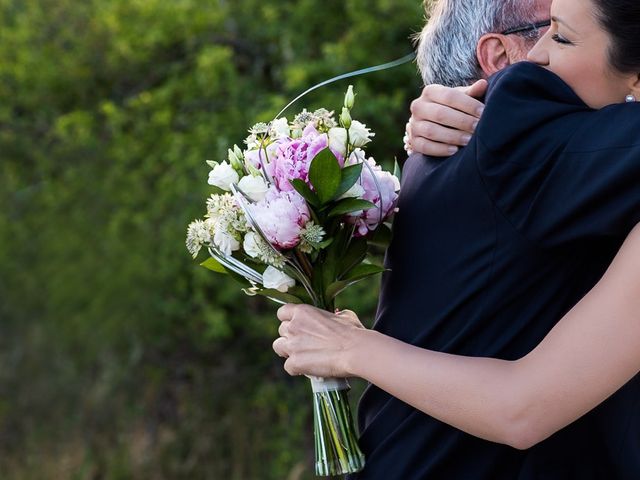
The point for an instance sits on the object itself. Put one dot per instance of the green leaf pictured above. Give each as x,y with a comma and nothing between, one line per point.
277,296
213,265
325,175
304,190
358,274
356,253
381,237
349,205
364,270
324,244
397,171
350,176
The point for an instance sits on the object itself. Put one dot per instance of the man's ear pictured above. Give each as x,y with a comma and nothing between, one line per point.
492,53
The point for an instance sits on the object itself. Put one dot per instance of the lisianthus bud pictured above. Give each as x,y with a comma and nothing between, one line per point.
273,278
253,187
345,118
349,98
238,152
222,176
235,162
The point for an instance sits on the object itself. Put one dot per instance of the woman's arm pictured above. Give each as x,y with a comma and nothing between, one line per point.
591,352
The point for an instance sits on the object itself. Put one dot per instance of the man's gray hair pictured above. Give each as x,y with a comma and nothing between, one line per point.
447,44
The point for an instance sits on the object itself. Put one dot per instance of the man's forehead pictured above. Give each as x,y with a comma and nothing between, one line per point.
543,8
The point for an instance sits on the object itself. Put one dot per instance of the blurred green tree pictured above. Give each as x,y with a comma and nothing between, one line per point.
119,357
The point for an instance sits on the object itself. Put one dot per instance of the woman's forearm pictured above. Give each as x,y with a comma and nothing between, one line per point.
477,395
588,355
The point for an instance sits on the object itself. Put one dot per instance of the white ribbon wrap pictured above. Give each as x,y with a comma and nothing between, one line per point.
321,384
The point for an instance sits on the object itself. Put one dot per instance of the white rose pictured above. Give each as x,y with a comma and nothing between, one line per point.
272,278
356,191
254,187
222,176
225,242
359,134
251,245
280,128
338,140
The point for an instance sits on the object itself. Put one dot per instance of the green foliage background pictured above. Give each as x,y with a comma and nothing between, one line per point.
119,357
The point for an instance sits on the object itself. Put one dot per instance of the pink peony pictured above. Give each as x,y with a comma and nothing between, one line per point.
290,162
261,156
382,192
293,158
281,216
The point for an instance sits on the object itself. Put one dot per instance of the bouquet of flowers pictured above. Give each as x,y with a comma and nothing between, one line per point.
291,217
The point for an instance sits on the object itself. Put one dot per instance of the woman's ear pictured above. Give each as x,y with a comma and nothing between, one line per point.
634,85
492,53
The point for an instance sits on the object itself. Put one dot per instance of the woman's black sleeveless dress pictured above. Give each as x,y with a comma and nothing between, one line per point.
491,248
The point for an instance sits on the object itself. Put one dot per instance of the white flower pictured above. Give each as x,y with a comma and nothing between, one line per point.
226,242
338,140
198,234
222,176
273,278
359,134
356,191
254,187
279,128
251,245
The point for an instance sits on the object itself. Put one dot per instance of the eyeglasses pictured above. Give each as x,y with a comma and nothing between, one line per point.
527,28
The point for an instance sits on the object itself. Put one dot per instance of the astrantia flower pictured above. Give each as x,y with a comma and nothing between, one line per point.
228,221
324,119
311,235
260,128
220,205
198,234
304,119
281,216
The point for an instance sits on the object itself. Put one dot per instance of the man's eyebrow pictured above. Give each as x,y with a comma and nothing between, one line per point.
559,20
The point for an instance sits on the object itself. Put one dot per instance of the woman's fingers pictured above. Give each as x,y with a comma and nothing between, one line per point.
286,312
443,114
443,119
438,134
283,329
280,347
477,90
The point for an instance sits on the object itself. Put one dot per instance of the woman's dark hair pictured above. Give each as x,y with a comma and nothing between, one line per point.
621,20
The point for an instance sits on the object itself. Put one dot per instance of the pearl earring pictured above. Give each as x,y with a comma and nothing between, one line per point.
630,98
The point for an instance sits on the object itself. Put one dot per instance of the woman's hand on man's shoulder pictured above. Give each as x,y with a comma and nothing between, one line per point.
443,119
